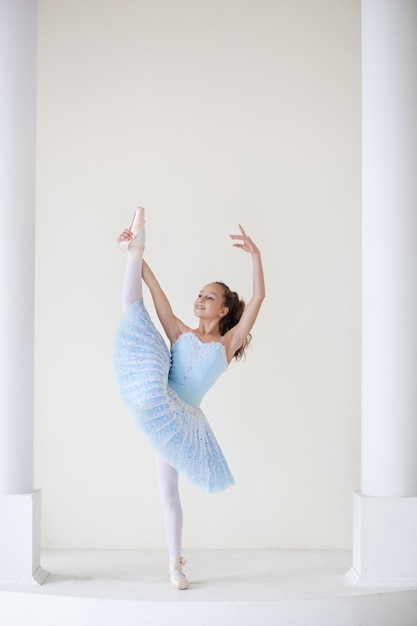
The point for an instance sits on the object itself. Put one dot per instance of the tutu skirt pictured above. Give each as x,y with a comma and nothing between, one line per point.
177,430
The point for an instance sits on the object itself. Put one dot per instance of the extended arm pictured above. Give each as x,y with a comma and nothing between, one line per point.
235,337
172,326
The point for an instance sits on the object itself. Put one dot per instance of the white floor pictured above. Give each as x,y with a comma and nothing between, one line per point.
269,587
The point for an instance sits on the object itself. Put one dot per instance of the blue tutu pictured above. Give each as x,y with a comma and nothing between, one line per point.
164,390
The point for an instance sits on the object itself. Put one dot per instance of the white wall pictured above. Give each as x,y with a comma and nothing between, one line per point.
209,114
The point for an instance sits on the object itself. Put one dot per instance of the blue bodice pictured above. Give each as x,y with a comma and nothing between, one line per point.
195,367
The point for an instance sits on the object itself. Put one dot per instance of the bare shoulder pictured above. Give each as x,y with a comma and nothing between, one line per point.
178,328
232,342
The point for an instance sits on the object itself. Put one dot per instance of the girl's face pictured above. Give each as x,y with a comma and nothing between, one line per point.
209,304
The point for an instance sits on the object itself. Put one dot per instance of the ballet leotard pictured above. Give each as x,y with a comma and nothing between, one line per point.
164,390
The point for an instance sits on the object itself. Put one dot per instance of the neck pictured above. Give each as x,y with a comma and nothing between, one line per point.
208,329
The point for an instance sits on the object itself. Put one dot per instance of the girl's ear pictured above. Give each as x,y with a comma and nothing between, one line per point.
224,311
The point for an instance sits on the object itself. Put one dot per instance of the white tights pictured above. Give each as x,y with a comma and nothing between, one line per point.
171,505
167,475
132,282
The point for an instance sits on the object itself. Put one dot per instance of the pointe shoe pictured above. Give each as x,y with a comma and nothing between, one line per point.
177,576
136,228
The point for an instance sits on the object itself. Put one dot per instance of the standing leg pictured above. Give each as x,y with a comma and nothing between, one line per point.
171,505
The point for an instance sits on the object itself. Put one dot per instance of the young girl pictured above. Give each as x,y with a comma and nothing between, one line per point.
165,388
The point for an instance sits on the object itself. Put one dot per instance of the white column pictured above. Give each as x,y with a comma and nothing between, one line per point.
19,504
385,511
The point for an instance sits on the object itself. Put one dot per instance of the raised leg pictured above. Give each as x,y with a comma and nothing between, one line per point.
132,281
133,242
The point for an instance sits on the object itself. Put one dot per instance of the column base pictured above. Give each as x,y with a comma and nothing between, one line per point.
384,542
20,516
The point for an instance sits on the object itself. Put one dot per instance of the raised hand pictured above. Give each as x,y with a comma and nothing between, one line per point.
247,244
126,235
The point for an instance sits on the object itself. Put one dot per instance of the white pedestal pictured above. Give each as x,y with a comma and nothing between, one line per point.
20,516
384,542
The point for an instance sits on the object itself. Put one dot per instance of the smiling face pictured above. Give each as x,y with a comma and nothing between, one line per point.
209,304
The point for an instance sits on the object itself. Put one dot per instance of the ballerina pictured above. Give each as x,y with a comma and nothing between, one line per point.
164,388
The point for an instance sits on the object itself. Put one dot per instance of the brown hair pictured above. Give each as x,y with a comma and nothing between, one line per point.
236,307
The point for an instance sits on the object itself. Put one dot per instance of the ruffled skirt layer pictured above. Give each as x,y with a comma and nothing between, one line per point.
177,430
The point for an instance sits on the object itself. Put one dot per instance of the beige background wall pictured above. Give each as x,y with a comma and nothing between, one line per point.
209,114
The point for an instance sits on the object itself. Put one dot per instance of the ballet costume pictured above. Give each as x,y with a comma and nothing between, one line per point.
164,389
